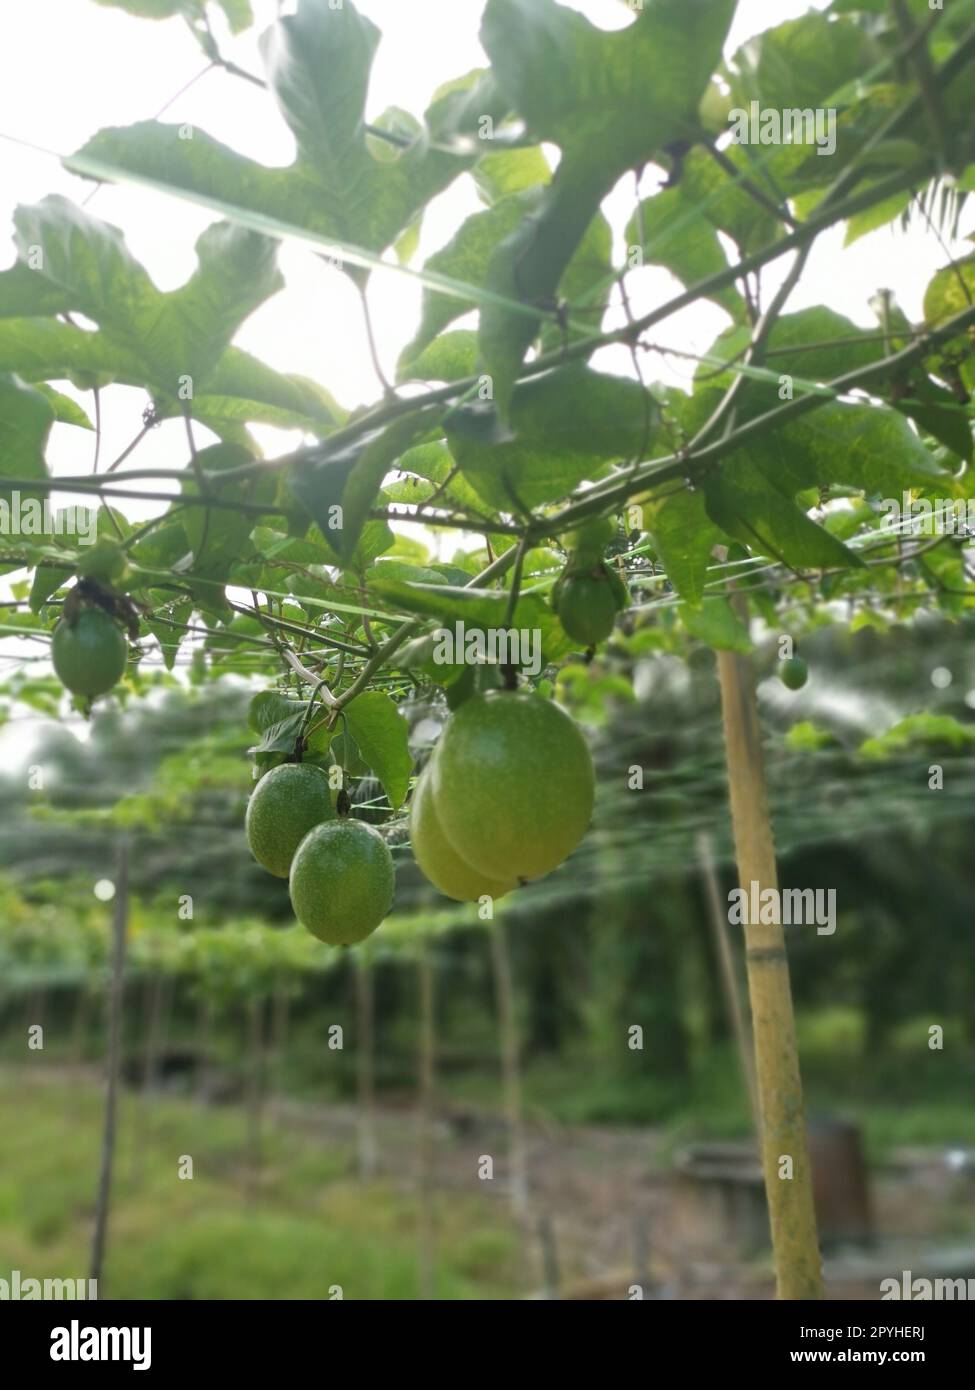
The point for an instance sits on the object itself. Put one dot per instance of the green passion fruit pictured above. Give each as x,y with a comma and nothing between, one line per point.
441,864
287,802
513,785
794,673
587,607
342,881
89,652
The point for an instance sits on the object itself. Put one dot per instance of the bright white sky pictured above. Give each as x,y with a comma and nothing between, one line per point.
70,67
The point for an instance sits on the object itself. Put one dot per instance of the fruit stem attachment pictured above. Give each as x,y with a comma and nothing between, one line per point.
783,1135
510,672
509,616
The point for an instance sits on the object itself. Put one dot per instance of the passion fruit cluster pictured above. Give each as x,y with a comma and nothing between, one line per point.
340,872
506,797
589,594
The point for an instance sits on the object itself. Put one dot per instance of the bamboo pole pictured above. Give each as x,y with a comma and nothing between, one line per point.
115,996
729,979
790,1201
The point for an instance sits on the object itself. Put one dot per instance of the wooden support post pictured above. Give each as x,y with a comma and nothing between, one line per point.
790,1200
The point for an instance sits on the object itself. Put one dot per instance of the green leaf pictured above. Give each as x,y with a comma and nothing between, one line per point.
342,185
24,293
47,580
169,638
219,537
764,517
66,411
567,424
270,707
751,496
950,291
162,547
25,423
716,623
575,83
239,14
39,349
339,489
672,231
867,447
468,255
927,730
800,63
87,262
812,346
237,272
940,415
887,210
585,288
241,389
280,737
683,537
173,344
725,203
382,736
587,91
391,569
511,171
465,257
451,357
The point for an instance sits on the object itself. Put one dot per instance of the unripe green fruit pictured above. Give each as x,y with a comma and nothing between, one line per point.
287,802
794,673
587,608
441,864
513,785
342,881
90,653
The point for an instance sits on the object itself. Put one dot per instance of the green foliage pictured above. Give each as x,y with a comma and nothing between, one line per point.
586,91
273,577
318,63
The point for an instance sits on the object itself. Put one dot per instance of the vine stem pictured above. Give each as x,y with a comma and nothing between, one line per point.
520,549
406,630
603,496
310,678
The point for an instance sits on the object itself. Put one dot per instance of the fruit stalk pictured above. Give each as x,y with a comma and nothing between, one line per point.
790,1201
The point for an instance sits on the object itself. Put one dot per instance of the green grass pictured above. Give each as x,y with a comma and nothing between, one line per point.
311,1228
